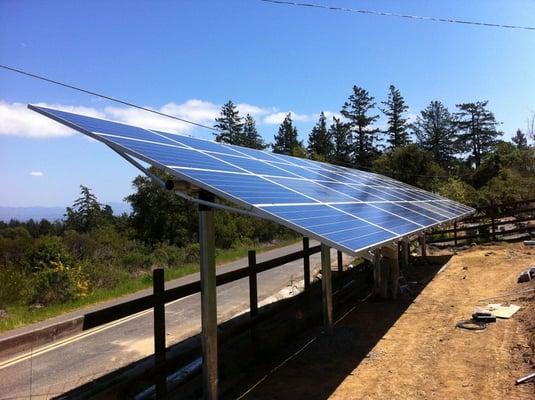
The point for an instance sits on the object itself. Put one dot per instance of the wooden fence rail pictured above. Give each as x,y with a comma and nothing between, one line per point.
127,308
495,214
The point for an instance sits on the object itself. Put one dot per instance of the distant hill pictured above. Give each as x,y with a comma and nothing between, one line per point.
49,213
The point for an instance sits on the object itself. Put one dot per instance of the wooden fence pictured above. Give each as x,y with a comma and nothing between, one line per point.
489,223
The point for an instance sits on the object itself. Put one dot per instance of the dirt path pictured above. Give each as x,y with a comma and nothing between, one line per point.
412,350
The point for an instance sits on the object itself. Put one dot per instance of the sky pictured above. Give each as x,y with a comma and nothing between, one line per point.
189,57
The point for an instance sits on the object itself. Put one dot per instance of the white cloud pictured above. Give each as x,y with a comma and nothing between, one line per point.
330,114
277,117
255,111
17,120
36,173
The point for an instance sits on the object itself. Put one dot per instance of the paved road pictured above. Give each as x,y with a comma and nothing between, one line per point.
67,363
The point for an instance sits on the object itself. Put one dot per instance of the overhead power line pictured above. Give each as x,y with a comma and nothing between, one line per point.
126,103
389,14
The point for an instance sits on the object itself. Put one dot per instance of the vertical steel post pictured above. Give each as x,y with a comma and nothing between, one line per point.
253,292
327,290
208,298
340,268
306,263
423,245
158,285
455,233
404,253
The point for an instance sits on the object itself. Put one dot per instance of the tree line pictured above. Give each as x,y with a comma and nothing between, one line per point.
438,149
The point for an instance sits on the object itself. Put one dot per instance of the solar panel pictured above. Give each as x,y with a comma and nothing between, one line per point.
348,209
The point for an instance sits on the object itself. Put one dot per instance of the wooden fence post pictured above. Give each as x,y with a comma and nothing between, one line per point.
306,263
158,285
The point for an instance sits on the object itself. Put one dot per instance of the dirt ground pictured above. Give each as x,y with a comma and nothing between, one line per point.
410,348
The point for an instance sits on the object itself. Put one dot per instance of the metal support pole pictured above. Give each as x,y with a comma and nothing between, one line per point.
253,295
158,285
404,253
340,268
326,284
306,263
208,298
423,245
455,233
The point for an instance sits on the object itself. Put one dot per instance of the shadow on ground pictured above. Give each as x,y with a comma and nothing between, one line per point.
319,369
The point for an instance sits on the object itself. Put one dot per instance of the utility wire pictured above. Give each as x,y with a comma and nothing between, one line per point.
19,71
389,14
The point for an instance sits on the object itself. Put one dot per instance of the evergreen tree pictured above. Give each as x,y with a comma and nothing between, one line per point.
159,215
320,145
229,125
435,130
341,142
520,140
86,212
251,138
477,132
286,140
356,110
395,107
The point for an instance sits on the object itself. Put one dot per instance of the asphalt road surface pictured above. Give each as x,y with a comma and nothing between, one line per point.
62,365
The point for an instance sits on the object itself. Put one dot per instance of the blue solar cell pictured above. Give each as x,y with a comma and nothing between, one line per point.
358,243
349,209
417,207
303,172
248,188
96,125
258,154
314,190
357,193
174,157
199,144
255,166
385,220
398,209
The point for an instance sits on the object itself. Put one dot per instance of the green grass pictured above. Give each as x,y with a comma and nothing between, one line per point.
20,315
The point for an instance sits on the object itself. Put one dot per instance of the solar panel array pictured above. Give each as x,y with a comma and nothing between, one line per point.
348,209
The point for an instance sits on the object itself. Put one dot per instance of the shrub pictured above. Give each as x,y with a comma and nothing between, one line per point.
135,260
166,255
192,253
48,252
103,276
13,286
54,284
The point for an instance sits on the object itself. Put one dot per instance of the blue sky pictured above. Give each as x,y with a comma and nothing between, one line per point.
189,57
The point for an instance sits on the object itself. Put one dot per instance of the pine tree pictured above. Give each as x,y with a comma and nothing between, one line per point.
229,125
251,137
395,107
87,213
477,132
341,142
520,140
435,130
356,110
286,140
320,145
